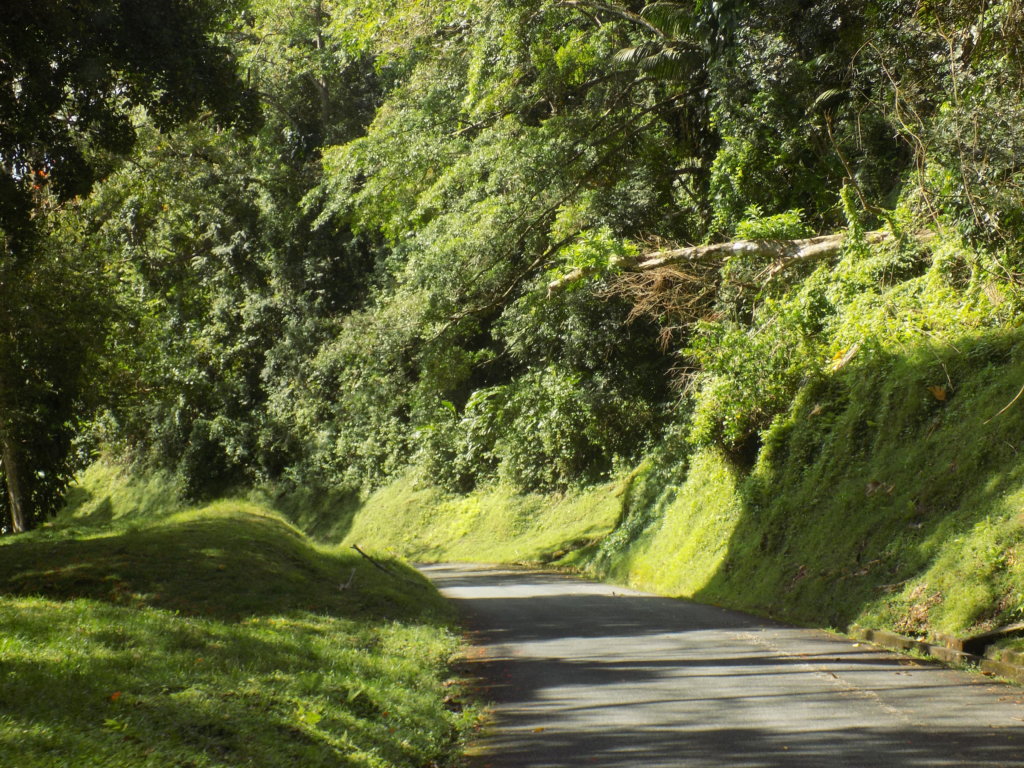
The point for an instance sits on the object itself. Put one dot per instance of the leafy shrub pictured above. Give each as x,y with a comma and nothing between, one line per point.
788,225
747,376
547,429
594,253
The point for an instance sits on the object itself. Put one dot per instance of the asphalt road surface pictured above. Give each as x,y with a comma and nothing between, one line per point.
585,674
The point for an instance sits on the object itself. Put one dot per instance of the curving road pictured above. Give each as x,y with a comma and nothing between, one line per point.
583,674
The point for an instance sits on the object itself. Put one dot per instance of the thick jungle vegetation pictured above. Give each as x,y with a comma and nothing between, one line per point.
321,243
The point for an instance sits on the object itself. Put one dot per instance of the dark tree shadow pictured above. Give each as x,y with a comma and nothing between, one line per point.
580,676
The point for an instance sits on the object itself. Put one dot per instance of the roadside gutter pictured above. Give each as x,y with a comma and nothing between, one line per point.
976,651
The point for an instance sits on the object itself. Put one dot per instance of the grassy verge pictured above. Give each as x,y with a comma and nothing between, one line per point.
496,524
136,632
875,501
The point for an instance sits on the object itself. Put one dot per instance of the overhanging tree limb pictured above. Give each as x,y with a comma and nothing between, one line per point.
783,252
780,250
622,13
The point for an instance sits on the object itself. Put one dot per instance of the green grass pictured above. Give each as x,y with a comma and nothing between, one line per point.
675,538
496,524
136,632
875,502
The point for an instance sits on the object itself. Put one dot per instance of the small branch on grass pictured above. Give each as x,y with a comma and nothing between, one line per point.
1006,407
380,566
376,563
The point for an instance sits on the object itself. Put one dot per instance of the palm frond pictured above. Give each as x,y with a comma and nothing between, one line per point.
673,19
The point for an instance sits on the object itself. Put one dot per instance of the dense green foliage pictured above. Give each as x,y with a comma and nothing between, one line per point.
73,71
137,631
72,77
354,287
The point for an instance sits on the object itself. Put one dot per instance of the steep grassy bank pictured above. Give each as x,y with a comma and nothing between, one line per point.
889,494
424,523
134,631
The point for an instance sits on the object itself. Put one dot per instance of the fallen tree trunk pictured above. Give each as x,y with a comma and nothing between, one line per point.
784,252
780,250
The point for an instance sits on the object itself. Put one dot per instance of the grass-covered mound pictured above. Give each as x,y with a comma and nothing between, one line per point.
216,636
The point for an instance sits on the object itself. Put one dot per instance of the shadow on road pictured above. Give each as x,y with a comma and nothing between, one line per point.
750,747
587,674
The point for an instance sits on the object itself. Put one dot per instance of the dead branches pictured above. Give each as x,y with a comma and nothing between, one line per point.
673,297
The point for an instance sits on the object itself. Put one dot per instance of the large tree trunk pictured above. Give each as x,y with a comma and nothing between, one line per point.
10,463
12,470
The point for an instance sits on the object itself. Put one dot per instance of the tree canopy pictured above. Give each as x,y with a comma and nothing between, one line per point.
357,281
71,74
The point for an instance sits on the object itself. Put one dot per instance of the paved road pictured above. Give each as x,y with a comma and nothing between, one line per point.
589,674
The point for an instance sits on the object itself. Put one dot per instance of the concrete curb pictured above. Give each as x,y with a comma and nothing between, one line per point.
1006,664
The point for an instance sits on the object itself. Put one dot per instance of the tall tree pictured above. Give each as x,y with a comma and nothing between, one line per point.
236,287
71,74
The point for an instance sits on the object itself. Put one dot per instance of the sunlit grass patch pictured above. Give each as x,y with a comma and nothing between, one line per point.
218,636
492,524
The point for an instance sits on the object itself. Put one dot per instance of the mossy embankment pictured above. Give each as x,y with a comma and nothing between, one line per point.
890,493
135,630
